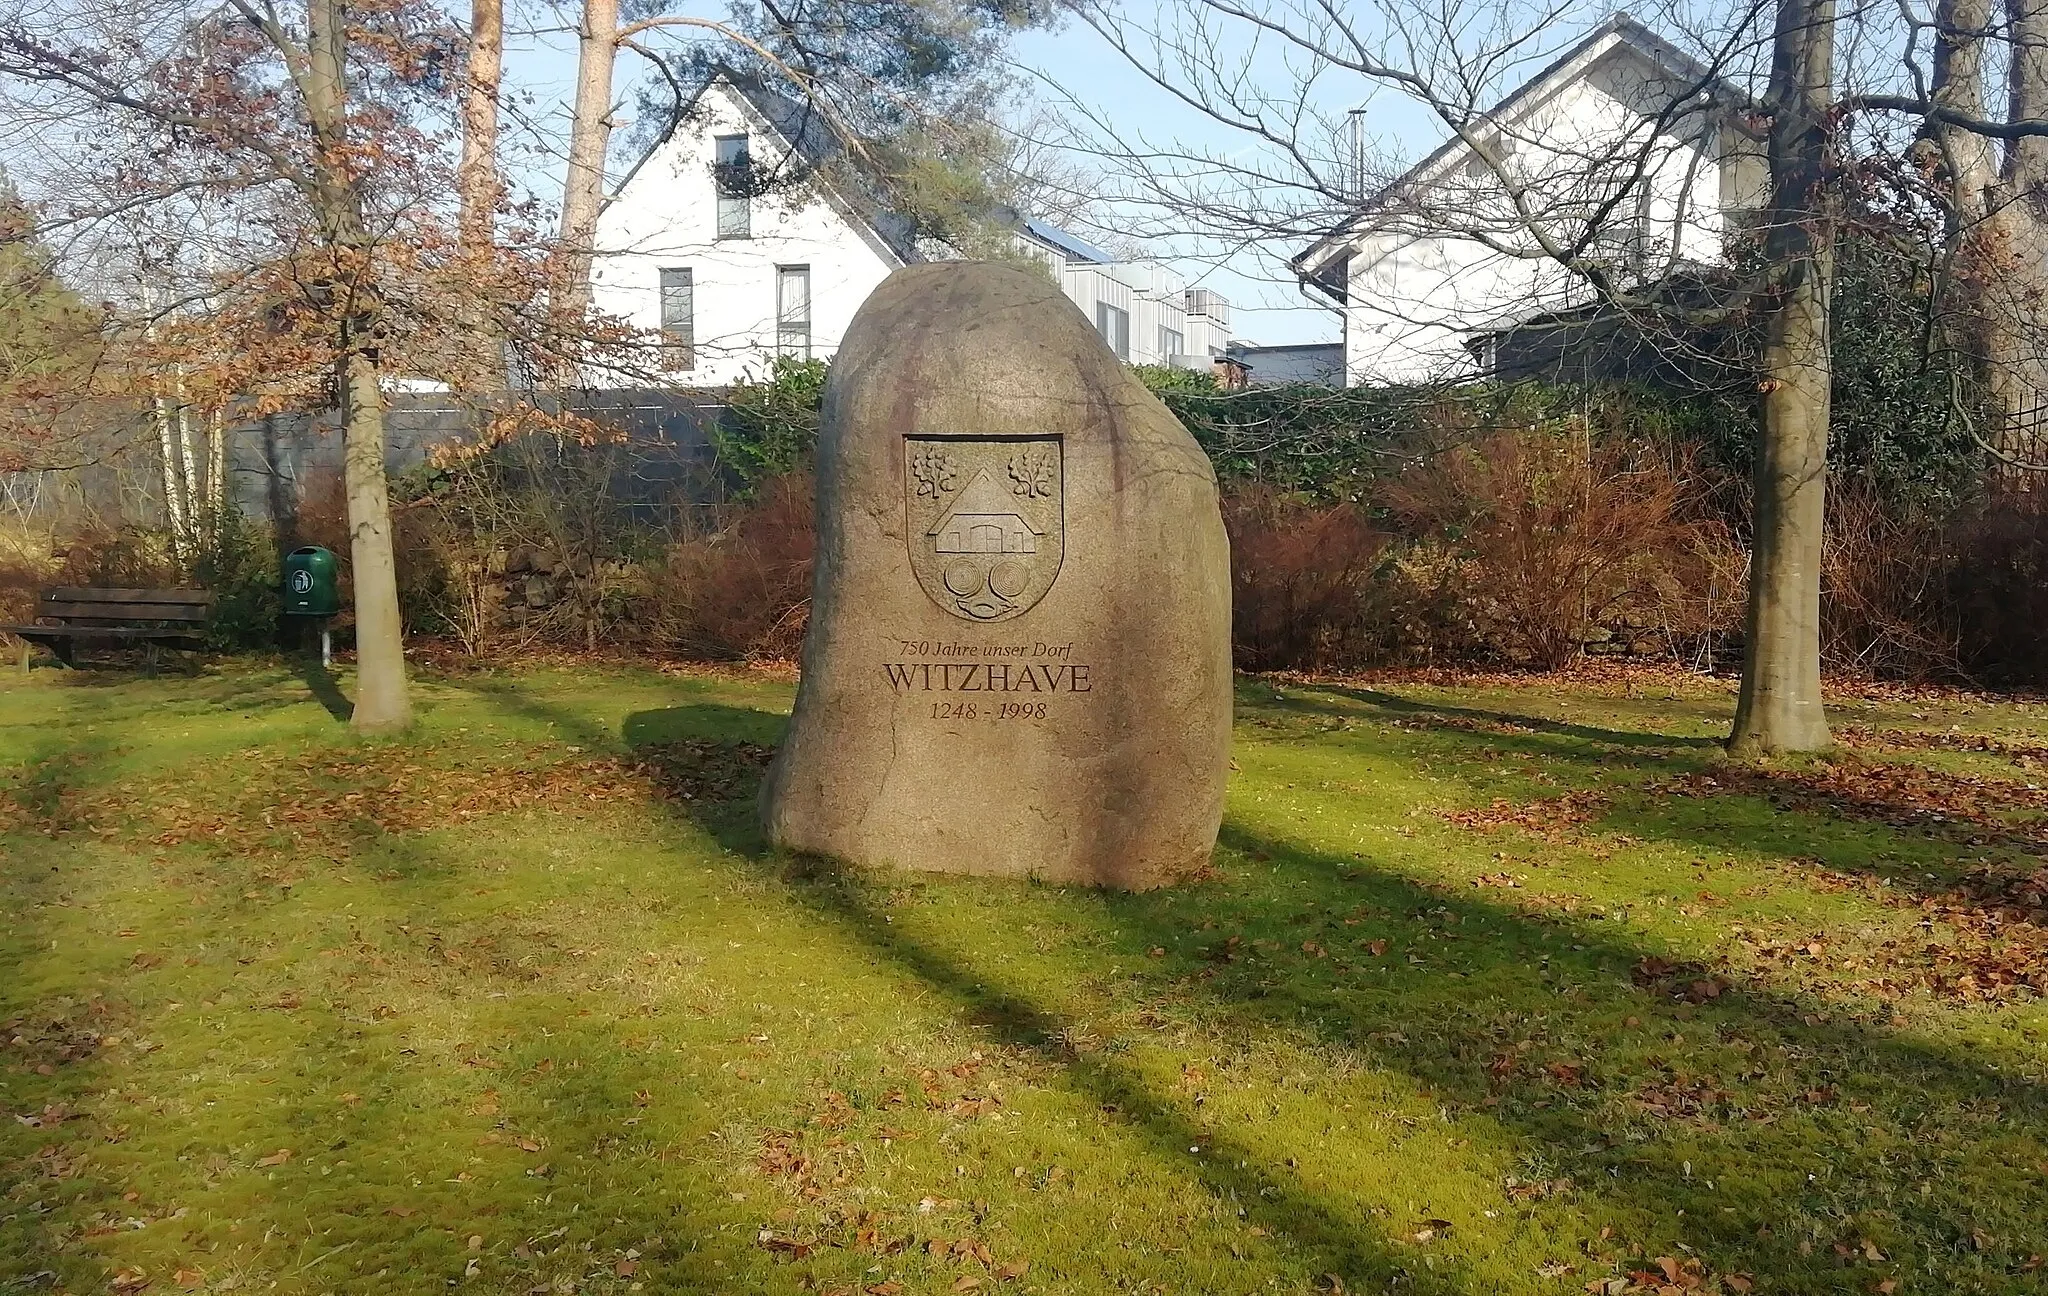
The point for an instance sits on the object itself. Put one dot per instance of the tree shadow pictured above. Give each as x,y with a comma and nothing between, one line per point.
70,1080
1750,1127
1480,720
1675,789
326,690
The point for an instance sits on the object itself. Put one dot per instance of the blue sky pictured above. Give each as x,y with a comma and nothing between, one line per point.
1267,308
1072,64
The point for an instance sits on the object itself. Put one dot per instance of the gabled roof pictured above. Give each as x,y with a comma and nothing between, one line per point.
1618,31
1075,249
982,498
800,130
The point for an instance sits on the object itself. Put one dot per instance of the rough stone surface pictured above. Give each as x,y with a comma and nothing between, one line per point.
1018,656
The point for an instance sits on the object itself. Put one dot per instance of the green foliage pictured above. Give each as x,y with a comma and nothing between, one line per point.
47,332
1330,443
1890,424
770,427
240,563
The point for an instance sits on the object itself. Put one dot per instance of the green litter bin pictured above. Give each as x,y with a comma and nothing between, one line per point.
310,587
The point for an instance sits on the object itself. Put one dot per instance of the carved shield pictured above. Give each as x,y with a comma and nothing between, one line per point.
987,526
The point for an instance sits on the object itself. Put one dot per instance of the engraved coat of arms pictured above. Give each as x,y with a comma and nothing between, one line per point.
987,521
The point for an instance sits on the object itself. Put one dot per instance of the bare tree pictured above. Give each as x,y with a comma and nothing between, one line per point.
303,154
1604,214
894,84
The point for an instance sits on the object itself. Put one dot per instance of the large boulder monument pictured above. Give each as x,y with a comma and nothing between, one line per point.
1018,655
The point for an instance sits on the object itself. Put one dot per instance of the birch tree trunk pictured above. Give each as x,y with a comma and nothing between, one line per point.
1779,708
196,520
174,482
216,471
589,137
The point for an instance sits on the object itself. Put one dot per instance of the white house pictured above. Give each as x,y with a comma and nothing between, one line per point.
731,276
1623,135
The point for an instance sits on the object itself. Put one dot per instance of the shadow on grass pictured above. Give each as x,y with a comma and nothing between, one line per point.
1752,1129
1794,810
1482,721
326,690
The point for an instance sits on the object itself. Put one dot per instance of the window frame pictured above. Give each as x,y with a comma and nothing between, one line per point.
785,323
735,211
1119,340
678,344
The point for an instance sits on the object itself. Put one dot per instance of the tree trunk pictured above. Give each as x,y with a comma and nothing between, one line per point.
589,136
382,702
217,463
2016,240
476,175
1779,708
476,181
196,520
174,493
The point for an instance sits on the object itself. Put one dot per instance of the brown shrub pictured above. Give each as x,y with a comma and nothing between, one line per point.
26,569
743,592
1300,574
1555,534
1886,570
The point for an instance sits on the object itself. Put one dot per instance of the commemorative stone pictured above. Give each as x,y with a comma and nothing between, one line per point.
1018,655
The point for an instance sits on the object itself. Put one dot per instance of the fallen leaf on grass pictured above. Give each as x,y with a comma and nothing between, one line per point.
1430,1230
189,1278
276,1158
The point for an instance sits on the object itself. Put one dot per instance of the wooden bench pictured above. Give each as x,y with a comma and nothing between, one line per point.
69,614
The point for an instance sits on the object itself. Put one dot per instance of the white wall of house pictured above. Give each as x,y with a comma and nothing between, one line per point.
1161,318
665,216
1419,285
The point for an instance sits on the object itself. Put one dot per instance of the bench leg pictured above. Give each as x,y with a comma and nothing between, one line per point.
26,649
62,648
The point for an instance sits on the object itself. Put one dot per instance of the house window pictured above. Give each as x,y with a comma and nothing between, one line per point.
678,318
1171,343
733,177
793,311
1114,323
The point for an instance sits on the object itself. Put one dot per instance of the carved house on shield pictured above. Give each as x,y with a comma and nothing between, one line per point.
983,521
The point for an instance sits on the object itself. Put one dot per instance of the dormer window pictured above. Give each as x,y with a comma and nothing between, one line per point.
732,175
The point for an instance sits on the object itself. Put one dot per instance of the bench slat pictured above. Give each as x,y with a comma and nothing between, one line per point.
90,594
135,611
40,634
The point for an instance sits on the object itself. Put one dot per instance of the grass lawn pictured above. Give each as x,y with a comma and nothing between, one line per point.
1497,987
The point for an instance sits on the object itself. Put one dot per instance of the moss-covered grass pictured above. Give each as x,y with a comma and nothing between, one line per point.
1495,989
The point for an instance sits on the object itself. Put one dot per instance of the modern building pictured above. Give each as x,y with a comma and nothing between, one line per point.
1624,141
727,241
